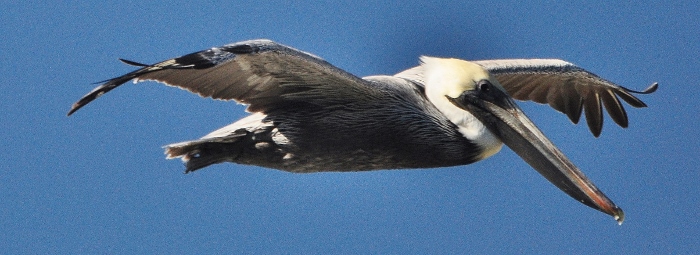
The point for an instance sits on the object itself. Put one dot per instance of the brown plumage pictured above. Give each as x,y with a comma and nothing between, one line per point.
310,116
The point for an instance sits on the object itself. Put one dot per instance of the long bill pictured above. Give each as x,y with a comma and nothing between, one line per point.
506,120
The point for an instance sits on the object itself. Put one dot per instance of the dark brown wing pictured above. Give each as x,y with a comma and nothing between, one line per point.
260,73
566,87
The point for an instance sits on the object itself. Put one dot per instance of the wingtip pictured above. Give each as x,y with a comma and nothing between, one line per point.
596,128
99,91
73,108
133,63
651,89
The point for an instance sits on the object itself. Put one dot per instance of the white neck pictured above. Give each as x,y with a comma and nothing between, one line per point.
469,126
440,81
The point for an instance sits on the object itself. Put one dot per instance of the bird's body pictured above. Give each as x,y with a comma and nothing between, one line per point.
310,116
405,131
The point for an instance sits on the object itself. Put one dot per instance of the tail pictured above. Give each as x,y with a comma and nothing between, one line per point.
201,153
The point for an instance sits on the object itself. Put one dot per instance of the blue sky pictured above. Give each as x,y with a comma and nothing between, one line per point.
98,182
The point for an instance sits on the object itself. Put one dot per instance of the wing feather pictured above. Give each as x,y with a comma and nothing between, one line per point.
566,87
594,113
260,73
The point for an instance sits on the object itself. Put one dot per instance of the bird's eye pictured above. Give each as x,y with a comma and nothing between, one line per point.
484,86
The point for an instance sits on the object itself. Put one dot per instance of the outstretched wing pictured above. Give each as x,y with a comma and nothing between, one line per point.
564,86
260,73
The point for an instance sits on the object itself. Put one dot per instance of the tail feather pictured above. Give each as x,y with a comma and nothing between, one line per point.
198,154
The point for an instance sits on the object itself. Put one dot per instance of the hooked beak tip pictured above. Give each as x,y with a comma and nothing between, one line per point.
619,215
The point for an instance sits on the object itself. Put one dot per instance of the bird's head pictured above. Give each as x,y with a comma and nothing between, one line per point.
480,107
447,79
451,77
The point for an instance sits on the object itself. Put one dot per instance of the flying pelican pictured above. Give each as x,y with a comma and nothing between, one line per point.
310,116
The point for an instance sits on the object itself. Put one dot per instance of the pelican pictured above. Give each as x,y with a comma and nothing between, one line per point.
310,116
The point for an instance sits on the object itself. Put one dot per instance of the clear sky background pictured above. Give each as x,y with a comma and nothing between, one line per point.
98,182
